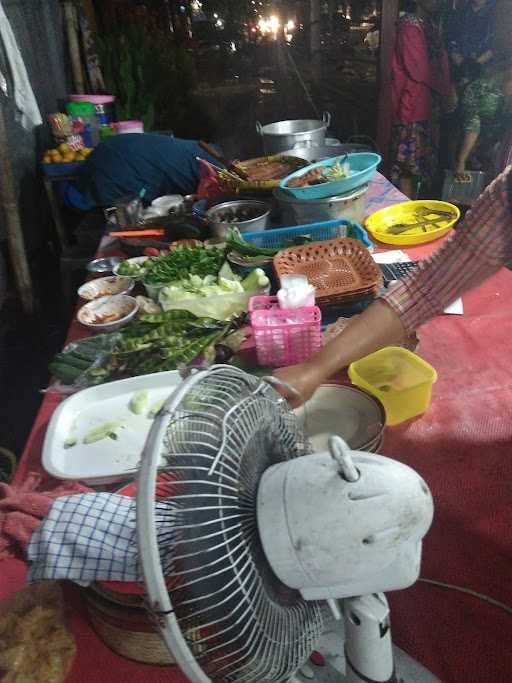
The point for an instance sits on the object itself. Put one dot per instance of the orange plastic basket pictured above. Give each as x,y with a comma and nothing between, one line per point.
341,269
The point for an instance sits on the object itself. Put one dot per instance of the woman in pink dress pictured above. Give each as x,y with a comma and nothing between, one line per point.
420,75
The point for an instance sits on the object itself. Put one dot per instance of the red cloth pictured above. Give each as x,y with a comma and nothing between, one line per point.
415,76
462,449
22,507
209,185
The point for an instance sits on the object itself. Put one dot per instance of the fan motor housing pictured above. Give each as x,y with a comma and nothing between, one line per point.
331,538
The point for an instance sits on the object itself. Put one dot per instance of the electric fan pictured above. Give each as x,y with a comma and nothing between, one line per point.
245,561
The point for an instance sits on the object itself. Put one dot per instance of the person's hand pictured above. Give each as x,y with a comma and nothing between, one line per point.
303,379
457,58
461,175
452,101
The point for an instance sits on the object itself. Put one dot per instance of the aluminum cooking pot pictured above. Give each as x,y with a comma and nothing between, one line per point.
219,225
321,152
286,135
350,206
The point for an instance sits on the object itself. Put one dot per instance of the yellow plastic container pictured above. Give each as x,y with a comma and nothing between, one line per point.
409,213
400,379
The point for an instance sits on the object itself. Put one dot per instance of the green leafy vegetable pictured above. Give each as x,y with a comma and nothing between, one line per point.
131,269
338,170
236,242
183,262
155,342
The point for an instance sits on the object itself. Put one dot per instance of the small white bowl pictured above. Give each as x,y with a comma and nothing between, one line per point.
153,291
91,314
105,286
137,260
167,202
150,213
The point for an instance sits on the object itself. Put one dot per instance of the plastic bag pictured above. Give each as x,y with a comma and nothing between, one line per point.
35,644
82,364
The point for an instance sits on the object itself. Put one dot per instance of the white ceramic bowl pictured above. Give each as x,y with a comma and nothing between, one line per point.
167,202
94,314
344,410
139,260
150,213
105,286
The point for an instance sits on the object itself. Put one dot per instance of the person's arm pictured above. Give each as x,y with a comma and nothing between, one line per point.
485,57
411,49
481,245
452,37
440,80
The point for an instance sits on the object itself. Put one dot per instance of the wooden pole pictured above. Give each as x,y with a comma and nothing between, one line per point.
15,238
389,17
90,13
314,28
74,46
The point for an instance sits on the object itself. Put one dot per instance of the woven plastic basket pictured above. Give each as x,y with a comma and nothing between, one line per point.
282,238
340,269
283,337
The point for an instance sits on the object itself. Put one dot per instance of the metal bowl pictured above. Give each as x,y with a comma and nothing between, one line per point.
220,227
103,265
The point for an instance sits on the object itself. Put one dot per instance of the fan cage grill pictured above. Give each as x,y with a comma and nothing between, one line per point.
239,621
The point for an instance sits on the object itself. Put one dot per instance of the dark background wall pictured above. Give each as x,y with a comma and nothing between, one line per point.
39,30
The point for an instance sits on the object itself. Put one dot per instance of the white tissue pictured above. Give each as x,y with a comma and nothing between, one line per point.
295,292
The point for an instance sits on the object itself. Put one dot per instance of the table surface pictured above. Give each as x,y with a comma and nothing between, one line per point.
462,449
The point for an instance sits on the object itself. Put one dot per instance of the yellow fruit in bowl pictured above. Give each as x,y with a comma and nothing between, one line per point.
68,158
63,148
47,159
86,151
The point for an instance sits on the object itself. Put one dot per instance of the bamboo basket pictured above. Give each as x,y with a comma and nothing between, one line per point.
128,631
231,184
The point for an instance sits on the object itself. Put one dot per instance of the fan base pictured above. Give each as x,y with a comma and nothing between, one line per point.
408,669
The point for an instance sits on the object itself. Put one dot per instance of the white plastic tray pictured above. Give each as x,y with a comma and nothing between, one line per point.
106,461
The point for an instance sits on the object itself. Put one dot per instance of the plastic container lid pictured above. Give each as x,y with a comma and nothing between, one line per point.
94,99
80,109
125,125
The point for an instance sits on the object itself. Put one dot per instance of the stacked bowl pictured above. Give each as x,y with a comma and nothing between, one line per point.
331,188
